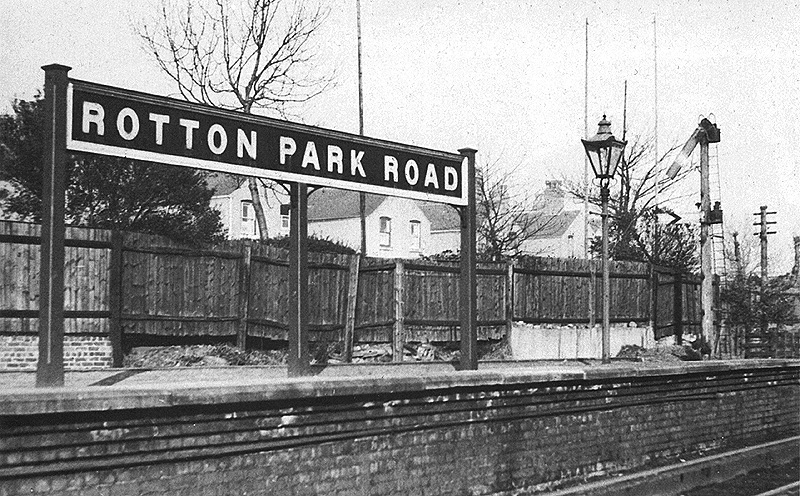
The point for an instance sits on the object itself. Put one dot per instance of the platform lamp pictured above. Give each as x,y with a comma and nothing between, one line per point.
604,152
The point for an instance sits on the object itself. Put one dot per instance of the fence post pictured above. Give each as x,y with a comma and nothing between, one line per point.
654,301
352,301
115,298
677,308
399,311
244,295
509,298
592,292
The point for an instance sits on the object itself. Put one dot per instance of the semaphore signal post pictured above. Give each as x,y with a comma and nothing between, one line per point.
92,118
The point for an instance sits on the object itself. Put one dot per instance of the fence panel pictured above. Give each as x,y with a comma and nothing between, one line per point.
550,290
630,292
328,275
86,264
375,301
171,290
268,293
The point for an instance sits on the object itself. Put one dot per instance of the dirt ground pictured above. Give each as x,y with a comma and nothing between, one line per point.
220,355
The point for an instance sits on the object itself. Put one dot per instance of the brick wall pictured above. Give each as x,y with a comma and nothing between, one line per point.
20,352
468,433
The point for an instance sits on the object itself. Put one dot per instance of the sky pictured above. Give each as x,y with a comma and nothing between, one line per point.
507,78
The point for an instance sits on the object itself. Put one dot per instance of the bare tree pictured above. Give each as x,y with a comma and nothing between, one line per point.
634,233
249,56
506,218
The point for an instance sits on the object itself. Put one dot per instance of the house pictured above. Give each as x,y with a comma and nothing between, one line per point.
558,227
395,227
445,233
555,225
232,199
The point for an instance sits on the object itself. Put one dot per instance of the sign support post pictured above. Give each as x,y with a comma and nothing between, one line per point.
468,308
50,367
298,361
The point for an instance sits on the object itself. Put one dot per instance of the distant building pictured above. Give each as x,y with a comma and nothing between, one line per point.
232,199
558,228
398,227
395,227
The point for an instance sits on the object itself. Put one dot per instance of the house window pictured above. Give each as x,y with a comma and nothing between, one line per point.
416,239
285,218
248,219
385,235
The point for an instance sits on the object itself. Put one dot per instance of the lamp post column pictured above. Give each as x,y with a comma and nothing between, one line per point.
606,337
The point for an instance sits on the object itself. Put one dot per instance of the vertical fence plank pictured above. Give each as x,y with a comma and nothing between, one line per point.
399,313
508,297
350,319
678,308
115,298
244,295
653,281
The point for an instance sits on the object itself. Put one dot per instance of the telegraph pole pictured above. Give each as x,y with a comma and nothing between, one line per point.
762,234
362,197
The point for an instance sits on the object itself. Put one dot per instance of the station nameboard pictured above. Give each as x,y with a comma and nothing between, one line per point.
124,123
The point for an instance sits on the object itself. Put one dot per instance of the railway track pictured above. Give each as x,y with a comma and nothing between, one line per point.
743,472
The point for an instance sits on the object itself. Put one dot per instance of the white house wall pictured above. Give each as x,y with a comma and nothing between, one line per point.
444,240
401,212
229,207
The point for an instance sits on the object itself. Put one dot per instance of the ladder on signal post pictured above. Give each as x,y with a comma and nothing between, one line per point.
724,347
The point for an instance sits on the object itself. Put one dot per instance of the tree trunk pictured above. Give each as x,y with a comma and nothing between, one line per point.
257,208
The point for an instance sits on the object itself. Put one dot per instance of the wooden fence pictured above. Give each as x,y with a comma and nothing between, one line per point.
127,284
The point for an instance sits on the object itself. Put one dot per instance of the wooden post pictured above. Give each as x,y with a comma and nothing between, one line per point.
592,293
115,298
468,307
677,307
398,338
244,295
50,367
654,300
298,360
352,301
509,298
706,262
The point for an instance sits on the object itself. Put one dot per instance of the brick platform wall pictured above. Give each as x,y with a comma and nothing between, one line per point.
21,352
467,433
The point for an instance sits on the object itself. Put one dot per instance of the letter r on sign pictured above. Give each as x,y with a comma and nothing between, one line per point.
93,113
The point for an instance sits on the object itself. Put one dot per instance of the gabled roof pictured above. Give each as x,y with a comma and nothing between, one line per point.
547,226
333,204
223,184
441,216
